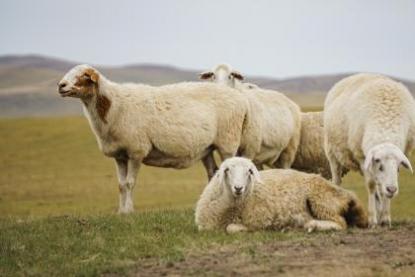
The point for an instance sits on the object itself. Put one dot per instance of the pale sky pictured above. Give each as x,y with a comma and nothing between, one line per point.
268,38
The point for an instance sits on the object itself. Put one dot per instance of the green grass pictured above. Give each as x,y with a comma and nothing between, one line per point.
92,245
59,194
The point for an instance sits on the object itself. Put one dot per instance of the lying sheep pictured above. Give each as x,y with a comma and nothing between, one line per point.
281,122
239,198
310,155
167,126
369,126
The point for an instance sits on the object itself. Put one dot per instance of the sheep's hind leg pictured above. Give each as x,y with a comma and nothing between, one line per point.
287,156
322,225
210,165
336,170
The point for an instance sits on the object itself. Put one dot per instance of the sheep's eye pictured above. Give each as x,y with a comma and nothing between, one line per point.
226,170
381,168
377,160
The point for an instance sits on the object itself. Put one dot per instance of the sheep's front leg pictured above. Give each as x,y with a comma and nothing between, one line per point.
384,211
210,165
372,210
122,169
127,186
323,225
236,228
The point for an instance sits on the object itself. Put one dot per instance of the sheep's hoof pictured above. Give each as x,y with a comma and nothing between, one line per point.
125,211
373,225
386,223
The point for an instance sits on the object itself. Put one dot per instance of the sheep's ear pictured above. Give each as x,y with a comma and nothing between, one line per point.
92,75
237,75
207,75
406,163
255,176
220,175
368,160
402,159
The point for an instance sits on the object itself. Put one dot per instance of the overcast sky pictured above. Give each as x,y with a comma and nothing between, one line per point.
270,38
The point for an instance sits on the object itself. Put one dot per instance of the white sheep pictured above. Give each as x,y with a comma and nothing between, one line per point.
224,74
369,126
167,126
239,198
281,121
310,155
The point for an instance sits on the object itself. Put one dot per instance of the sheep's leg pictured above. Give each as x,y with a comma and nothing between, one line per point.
372,210
236,228
335,169
210,165
287,156
322,225
122,169
259,166
324,209
385,216
126,188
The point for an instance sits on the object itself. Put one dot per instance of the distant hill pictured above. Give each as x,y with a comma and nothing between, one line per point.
28,84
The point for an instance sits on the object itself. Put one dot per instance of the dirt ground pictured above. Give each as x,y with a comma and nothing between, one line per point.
375,252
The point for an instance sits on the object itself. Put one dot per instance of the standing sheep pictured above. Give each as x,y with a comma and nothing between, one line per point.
239,198
369,126
280,118
310,155
167,126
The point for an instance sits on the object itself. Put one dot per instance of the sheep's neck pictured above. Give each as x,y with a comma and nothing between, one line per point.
97,107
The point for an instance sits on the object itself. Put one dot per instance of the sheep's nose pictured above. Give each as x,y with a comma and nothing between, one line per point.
62,85
238,189
391,189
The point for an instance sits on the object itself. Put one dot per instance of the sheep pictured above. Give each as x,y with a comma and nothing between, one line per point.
241,198
224,74
310,155
369,126
168,126
281,121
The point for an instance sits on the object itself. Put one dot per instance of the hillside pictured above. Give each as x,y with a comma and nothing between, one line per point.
28,84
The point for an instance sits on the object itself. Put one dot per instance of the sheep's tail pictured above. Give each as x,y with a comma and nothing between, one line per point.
355,214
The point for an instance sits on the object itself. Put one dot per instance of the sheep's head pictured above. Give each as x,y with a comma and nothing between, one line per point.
222,74
381,166
81,82
238,176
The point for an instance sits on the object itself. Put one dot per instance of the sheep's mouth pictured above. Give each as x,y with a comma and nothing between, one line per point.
390,195
66,93
237,193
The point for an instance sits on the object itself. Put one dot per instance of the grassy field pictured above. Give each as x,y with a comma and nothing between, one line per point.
58,197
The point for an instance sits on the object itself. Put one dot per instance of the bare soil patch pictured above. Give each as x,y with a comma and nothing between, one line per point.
375,252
